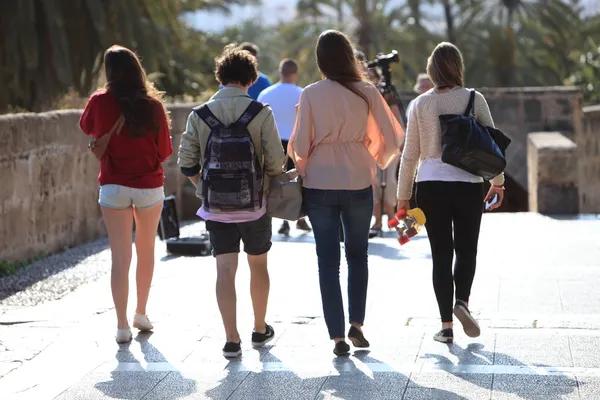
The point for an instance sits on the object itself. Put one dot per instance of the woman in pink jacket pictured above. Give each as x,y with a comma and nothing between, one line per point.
344,129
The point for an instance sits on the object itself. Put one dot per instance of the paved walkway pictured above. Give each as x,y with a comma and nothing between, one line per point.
535,294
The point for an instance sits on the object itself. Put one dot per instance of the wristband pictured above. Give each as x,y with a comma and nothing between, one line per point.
498,187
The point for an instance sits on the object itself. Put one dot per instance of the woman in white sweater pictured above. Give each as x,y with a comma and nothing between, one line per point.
451,198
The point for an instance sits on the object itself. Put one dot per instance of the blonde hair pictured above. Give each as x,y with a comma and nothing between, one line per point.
445,66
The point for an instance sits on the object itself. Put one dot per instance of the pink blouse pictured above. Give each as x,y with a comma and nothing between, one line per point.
337,142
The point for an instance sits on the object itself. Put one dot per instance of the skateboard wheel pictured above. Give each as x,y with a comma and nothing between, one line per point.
393,223
401,214
403,240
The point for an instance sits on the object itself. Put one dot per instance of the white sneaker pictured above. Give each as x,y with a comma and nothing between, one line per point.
123,335
142,323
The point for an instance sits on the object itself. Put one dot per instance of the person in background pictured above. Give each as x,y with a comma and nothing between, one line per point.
231,211
263,81
344,128
283,98
451,198
131,175
384,199
423,85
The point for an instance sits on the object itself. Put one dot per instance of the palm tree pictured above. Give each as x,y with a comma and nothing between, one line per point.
50,46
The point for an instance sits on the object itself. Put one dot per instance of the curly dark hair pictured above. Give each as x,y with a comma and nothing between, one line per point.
140,102
236,66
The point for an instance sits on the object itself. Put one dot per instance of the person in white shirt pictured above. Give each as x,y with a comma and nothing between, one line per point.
283,97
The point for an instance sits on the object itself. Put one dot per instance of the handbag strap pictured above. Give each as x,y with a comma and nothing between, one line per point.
470,107
116,127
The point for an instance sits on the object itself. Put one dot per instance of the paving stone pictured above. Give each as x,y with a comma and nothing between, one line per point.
120,385
529,286
589,387
476,386
534,385
278,386
585,351
357,385
548,350
213,385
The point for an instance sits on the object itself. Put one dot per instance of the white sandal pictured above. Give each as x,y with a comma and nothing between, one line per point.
142,323
123,336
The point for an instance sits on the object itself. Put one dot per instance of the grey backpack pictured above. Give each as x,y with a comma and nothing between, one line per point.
232,176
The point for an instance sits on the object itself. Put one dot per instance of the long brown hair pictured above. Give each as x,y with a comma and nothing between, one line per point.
139,100
445,66
337,62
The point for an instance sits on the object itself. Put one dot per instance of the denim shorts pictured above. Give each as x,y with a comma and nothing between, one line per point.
122,197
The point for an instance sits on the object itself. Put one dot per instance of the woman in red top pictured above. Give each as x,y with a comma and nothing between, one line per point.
131,175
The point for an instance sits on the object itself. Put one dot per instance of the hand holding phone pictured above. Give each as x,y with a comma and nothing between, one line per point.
491,202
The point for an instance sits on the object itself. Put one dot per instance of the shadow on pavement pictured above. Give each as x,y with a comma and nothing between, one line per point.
526,386
352,382
172,386
349,381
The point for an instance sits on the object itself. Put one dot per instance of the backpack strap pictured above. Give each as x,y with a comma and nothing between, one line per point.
470,108
207,116
251,112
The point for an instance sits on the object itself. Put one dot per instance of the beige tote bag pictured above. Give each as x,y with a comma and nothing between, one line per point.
285,196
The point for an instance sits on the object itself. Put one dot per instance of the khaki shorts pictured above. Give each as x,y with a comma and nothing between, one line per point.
391,180
122,197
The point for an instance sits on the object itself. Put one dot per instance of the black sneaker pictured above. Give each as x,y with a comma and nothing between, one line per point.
285,228
444,336
232,350
374,232
341,349
357,338
260,339
470,325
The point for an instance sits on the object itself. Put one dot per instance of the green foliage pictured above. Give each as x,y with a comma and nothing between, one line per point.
50,46
51,49
588,74
9,267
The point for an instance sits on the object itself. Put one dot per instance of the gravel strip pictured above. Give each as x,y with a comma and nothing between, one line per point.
56,276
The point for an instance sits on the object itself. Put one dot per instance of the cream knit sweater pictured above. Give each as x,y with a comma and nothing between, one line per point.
423,134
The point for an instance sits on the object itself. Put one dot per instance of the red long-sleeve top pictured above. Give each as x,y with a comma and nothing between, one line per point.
129,161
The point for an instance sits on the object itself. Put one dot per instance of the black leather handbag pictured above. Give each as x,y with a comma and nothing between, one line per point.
472,146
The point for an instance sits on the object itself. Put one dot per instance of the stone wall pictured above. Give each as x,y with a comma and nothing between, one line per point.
588,144
553,176
48,194
48,182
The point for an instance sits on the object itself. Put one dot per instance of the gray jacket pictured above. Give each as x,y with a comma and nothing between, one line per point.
227,105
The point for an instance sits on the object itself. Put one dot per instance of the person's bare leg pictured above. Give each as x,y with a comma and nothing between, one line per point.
259,290
146,225
119,224
226,296
377,213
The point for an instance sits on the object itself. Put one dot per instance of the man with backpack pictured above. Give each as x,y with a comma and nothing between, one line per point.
229,150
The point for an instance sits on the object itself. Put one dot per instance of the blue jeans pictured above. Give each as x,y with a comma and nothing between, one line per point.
324,209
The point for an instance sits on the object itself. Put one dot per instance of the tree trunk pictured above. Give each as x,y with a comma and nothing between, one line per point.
364,30
449,21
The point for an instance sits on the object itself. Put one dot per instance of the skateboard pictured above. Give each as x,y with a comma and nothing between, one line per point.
407,224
